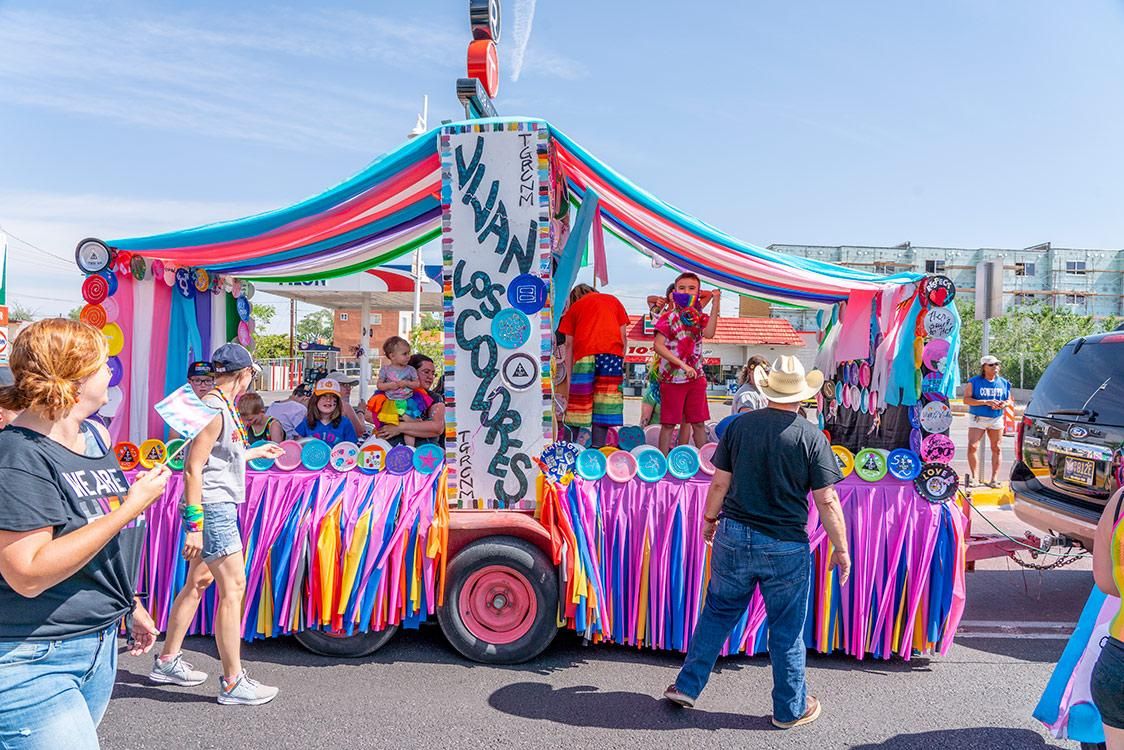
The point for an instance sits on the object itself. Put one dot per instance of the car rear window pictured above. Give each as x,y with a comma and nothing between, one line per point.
1075,374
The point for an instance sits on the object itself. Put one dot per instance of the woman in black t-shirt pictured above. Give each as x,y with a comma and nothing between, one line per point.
432,428
71,533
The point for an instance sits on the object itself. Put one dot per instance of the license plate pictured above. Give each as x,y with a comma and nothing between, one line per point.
1078,471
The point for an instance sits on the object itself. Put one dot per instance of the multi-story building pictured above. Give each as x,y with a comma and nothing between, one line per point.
1090,282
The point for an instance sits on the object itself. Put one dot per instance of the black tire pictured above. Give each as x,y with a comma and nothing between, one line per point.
347,646
524,560
1092,746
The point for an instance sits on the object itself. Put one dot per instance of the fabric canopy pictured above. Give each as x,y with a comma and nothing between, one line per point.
393,206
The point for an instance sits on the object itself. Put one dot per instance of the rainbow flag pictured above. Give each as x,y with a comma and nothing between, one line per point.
186,413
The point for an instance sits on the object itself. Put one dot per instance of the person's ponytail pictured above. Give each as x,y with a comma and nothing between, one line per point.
50,358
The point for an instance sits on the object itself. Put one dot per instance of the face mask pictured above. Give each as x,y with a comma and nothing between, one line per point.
683,299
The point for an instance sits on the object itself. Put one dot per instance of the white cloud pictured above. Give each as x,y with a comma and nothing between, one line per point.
521,34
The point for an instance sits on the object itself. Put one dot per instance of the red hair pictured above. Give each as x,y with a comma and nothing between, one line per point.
50,359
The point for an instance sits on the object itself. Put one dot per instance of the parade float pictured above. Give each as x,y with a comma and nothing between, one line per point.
510,533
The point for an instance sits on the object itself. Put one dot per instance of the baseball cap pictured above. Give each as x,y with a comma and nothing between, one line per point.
989,360
327,386
342,379
232,358
200,370
6,377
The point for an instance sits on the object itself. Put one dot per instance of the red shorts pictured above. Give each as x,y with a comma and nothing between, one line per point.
684,402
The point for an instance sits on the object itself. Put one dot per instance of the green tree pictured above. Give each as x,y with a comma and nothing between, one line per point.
18,313
271,346
427,338
263,314
75,314
316,326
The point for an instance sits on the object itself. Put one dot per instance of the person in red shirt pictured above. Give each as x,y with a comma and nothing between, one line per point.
679,334
595,325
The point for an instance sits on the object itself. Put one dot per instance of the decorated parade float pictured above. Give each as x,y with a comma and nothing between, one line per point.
511,532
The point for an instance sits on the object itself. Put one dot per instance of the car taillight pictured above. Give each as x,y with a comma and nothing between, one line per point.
1023,425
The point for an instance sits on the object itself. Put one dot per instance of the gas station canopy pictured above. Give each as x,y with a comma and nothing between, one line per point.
383,288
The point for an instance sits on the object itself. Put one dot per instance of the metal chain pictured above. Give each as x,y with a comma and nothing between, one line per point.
1061,562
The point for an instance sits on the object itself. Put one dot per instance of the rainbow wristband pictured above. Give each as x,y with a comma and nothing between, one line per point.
192,516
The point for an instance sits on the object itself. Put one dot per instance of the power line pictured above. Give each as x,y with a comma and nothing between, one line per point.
48,253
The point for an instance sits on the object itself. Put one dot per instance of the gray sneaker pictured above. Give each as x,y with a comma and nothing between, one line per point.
245,692
175,672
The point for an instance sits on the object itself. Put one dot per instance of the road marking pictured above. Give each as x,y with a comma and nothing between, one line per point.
1029,630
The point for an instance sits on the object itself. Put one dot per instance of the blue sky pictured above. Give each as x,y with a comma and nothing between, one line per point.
958,123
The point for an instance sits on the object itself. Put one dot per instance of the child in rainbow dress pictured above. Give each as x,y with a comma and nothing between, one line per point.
400,397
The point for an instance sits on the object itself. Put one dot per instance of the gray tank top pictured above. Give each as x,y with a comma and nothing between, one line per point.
224,474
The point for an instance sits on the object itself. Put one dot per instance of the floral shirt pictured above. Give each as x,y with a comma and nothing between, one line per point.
684,337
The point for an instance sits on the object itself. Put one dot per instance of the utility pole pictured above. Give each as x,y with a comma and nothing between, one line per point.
292,343
420,128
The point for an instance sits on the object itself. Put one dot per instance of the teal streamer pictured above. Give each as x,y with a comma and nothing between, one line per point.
572,253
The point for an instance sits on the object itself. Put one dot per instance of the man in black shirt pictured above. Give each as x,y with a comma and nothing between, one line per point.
767,463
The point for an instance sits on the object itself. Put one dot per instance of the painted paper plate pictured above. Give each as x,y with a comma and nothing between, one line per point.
591,464
839,391
937,449
935,355
236,288
95,289
931,383
344,456
864,375
652,435
511,328
527,293
138,267
870,464
683,461
115,396
560,458
914,414
372,457
248,290
608,450
94,315
428,458
875,402
581,436
936,417
185,282
257,464
290,457
903,464
202,280
400,459
112,311
612,437
116,371
114,337
651,465
128,455
152,452
92,256
845,460
706,458
245,335
933,396
175,462
244,308
939,322
846,397
315,454
712,431
864,400
621,466
936,482
915,441
939,290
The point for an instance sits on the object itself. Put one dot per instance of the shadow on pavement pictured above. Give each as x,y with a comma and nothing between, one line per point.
969,739
587,706
129,685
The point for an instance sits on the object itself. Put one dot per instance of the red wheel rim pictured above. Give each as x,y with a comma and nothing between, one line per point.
497,605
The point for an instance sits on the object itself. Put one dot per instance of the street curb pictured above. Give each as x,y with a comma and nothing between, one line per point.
991,497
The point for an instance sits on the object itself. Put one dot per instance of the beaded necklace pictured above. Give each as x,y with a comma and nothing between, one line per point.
245,438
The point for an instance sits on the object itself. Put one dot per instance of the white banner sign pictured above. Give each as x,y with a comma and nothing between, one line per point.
496,247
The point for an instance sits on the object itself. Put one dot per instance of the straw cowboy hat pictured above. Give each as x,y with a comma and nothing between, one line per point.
787,382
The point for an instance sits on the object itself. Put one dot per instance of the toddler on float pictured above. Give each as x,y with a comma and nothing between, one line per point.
325,418
400,397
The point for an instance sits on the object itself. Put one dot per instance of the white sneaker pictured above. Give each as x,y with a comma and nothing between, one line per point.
175,671
245,692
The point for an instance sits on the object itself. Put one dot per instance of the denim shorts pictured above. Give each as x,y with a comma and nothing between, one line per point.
221,536
1107,684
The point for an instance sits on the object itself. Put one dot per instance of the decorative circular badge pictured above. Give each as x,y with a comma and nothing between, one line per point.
903,464
651,465
128,455
915,440
936,482
559,458
400,459
629,437
683,461
864,400
936,416
92,256
116,371
95,289
511,328
520,371
844,459
527,293
152,452
290,457
94,315
939,322
608,450
257,464
245,334
706,458
138,267
935,355
248,290
236,288
372,456
315,454
621,466
938,290
591,464
937,449
931,384
428,458
202,280
112,311
865,374
344,456
115,337
176,454
870,464
244,308
652,435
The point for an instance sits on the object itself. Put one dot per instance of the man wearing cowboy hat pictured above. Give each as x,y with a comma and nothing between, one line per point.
756,518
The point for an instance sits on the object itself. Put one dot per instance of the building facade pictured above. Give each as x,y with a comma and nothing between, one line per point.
1089,282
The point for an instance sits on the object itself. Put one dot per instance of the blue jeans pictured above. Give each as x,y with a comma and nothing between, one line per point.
741,560
54,693
221,536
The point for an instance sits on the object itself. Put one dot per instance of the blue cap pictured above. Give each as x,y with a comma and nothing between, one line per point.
200,369
230,358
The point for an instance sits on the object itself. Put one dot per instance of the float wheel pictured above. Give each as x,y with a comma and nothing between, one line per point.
501,601
327,643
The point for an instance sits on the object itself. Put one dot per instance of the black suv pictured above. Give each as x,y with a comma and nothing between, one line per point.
1069,453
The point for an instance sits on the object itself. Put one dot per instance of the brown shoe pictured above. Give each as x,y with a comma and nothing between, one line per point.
810,715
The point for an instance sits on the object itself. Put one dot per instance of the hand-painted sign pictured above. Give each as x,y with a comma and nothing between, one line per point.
495,232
